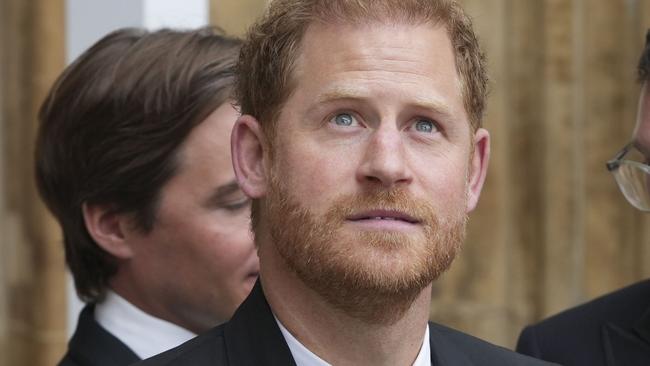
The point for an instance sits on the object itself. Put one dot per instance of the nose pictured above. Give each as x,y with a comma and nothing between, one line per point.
384,160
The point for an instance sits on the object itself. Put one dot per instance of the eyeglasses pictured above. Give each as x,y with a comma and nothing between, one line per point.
632,177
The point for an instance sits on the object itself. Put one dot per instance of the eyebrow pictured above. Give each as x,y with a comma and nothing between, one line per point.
222,191
431,104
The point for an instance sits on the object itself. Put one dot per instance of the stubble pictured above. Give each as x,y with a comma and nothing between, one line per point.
373,276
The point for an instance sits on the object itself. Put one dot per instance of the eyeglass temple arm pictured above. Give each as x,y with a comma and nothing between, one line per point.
616,161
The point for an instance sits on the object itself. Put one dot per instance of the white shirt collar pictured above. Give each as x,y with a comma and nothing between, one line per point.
305,357
144,334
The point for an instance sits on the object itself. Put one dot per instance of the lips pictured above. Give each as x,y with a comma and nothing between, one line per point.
383,215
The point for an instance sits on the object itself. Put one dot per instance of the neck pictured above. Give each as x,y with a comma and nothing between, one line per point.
334,335
147,300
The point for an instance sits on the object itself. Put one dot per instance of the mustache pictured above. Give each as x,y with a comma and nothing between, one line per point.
396,200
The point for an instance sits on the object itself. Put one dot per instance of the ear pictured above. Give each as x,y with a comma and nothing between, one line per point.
478,167
248,149
107,229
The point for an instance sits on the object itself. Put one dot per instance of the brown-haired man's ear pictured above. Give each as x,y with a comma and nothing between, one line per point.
108,229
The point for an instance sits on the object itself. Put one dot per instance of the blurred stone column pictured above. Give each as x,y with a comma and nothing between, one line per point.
563,206
487,292
4,331
32,260
234,16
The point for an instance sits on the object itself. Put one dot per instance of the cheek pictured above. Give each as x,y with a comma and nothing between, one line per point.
216,258
200,238
231,242
319,184
446,182
314,174
643,135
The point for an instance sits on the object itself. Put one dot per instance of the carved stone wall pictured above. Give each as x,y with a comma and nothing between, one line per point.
551,230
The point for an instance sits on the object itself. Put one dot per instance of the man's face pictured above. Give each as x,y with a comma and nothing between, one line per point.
199,262
374,163
641,138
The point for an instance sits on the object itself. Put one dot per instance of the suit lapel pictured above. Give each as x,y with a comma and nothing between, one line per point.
252,336
627,347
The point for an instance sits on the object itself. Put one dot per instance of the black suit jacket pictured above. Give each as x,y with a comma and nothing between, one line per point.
92,345
608,331
253,338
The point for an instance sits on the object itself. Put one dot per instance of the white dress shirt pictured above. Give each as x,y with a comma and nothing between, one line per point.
144,334
305,357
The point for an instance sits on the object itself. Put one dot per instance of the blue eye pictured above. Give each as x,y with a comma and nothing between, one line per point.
426,126
344,119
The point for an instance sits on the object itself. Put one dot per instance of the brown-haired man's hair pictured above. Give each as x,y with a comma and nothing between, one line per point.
111,127
267,60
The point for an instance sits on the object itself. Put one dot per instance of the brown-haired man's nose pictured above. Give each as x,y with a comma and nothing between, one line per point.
384,160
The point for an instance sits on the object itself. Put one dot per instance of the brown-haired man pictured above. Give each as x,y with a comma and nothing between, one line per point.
133,159
613,329
361,145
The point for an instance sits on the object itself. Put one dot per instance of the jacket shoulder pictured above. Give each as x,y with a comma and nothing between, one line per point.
623,306
68,361
575,334
93,345
477,351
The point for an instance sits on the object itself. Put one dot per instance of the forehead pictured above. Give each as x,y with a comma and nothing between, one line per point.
361,43
391,61
208,144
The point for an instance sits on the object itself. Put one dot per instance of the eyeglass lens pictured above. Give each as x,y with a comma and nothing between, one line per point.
634,182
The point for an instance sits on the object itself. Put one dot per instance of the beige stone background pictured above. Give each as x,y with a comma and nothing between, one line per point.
551,230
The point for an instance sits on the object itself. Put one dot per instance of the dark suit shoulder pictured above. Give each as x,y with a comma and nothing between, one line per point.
92,345
624,305
67,360
208,348
475,350
575,335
